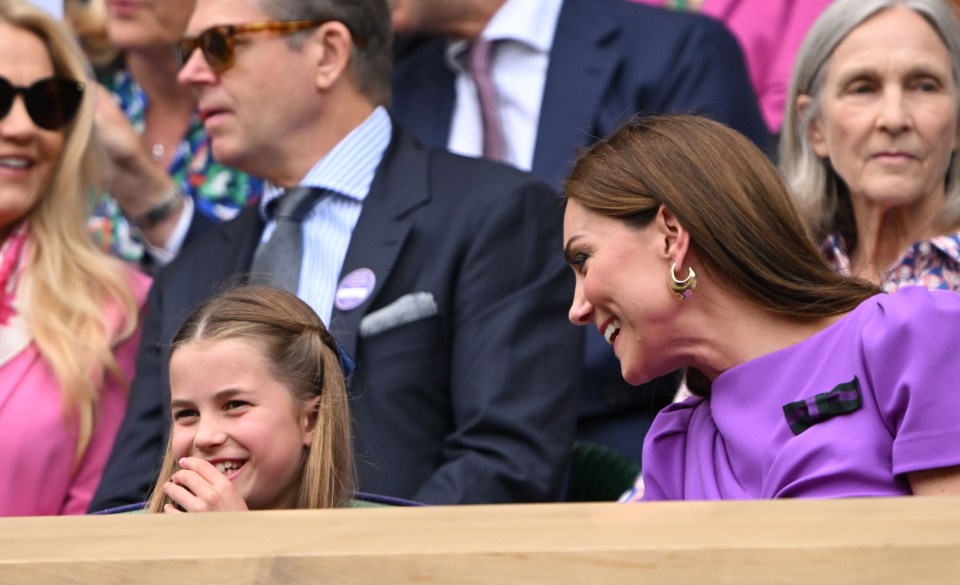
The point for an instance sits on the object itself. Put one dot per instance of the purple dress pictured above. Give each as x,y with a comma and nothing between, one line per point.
872,397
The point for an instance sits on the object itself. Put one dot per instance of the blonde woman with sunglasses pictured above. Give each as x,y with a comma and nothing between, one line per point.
69,314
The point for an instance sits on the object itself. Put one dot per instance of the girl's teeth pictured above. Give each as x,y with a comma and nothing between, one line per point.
225,467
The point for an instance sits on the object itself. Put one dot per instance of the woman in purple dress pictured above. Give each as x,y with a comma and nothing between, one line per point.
689,252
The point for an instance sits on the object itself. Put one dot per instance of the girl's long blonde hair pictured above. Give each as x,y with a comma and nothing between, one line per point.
304,356
71,283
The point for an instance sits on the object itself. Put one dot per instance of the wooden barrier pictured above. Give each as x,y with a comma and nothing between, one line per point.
879,541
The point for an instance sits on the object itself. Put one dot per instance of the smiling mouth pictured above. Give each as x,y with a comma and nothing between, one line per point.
229,467
15,162
612,331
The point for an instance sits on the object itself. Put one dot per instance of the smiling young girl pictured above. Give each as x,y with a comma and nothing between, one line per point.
259,408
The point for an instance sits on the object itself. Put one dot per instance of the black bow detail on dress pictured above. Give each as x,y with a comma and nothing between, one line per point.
843,399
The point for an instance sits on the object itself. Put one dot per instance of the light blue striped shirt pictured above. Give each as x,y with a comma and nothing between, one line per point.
347,171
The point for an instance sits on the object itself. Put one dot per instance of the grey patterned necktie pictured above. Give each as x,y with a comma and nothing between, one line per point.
277,261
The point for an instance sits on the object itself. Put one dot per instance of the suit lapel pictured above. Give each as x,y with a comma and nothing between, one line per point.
583,62
399,186
241,234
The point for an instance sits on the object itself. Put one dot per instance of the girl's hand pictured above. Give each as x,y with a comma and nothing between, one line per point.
199,487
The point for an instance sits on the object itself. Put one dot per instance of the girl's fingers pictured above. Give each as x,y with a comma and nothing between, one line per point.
204,469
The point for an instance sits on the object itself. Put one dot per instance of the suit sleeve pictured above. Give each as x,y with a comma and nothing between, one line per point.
711,78
138,448
516,361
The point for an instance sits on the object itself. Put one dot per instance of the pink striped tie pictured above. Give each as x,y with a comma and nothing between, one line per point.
481,51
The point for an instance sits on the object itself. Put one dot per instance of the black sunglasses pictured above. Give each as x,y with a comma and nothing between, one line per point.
51,102
217,42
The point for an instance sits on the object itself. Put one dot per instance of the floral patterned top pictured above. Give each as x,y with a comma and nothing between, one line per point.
218,191
933,263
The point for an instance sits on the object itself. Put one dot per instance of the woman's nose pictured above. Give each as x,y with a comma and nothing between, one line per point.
581,311
17,122
894,116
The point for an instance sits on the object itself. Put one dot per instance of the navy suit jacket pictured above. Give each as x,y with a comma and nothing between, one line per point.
475,404
610,60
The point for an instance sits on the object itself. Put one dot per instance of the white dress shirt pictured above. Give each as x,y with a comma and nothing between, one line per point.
524,30
347,171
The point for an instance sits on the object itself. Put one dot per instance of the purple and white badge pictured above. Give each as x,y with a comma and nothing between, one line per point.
354,289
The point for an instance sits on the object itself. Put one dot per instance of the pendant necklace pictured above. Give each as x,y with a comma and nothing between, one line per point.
157,151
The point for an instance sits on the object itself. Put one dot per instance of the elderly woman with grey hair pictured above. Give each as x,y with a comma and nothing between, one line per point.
870,136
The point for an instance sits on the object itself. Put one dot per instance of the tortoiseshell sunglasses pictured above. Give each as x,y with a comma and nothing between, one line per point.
216,43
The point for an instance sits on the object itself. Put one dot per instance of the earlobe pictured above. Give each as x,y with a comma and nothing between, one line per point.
814,132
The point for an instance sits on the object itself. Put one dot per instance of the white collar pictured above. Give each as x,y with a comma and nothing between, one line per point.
530,22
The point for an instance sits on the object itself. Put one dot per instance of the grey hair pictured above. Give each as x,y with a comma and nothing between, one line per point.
820,192
371,60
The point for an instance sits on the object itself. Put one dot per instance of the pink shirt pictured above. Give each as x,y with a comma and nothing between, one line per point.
37,475
770,33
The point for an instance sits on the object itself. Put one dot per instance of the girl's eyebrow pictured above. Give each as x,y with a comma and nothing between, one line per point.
224,394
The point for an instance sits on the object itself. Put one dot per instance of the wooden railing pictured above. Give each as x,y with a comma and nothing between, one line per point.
902,541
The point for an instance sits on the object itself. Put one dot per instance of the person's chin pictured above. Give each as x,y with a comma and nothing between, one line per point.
227,151
634,375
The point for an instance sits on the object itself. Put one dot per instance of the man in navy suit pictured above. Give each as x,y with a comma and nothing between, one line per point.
568,72
441,275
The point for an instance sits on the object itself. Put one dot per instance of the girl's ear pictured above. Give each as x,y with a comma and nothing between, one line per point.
309,420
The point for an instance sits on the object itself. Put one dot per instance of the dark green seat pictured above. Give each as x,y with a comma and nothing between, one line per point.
599,473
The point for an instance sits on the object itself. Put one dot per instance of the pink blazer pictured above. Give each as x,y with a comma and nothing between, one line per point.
770,33
37,475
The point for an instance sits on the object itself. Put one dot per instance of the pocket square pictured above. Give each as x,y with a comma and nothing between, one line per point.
843,399
407,309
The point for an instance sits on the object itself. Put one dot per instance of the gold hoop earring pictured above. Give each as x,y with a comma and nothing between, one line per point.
682,288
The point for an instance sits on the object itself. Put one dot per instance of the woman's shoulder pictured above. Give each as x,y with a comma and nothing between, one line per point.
911,303
138,284
912,316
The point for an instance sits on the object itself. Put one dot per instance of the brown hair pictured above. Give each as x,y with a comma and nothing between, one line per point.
305,357
743,224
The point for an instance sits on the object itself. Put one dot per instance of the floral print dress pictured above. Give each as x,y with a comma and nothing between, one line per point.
219,192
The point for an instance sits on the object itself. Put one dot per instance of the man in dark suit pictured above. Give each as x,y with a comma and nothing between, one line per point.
441,275
568,72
